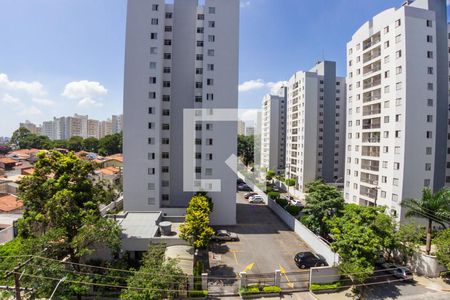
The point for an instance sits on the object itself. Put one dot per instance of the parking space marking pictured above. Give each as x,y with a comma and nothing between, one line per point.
249,267
235,256
283,271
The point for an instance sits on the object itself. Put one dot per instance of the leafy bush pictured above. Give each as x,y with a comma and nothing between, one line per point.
271,289
198,294
293,210
273,195
282,202
325,286
249,290
269,189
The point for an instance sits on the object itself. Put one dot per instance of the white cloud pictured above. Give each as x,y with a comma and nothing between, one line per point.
275,86
8,99
251,85
33,88
245,3
44,102
257,84
249,116
86,92
30,111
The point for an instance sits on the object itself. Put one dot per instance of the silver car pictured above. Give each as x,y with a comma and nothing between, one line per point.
225,236
403,273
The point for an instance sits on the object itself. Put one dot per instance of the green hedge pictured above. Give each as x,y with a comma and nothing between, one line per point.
198,294
282,202
293,210
271,289
325,286
273,195
255,289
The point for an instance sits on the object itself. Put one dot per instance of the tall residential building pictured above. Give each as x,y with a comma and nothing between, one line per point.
76,126
105,128
273,131
249,130
117,123
33,128
59,128
241,127
179,56
93,128
315,125
48,129
397,105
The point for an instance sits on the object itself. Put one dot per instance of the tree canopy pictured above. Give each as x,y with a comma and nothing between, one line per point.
157,278
246,149
322,203
195,229
442,242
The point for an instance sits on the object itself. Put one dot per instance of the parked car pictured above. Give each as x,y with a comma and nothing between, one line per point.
244,188
240,181
403,273
248,195
296,203
305,260
256,199
225,236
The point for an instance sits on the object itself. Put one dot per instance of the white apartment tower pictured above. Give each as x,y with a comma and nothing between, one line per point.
179,56
273,131
397,105
315,125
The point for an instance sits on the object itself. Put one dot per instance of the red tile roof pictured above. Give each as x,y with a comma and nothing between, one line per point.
9,203
109,171
7,160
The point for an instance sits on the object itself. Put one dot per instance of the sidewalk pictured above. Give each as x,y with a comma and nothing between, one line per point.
342,295
435,284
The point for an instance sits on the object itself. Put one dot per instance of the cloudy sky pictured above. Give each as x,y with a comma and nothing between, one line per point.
59,57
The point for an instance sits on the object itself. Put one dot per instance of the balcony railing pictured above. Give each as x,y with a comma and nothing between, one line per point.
370,167
371,84
371,126
371,112
373,153
372,139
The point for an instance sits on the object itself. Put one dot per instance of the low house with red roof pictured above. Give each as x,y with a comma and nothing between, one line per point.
10,204
7,163
111,175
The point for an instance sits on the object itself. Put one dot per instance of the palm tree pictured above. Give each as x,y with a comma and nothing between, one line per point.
433,207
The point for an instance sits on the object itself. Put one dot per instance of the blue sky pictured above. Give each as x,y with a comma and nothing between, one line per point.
59,57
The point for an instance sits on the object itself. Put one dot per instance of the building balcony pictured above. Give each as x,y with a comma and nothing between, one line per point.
371,55
372,96
371,126
372,151
368,192
369,178
372,41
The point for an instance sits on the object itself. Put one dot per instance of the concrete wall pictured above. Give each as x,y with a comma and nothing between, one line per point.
426,265
317,245
324,274
6,235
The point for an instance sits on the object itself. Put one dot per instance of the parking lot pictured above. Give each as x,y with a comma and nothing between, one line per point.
266,243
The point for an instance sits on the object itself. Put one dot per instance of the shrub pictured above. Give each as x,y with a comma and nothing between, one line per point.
273,195
198,294
282,202
325,286
249,290
269,189
271,289
293,210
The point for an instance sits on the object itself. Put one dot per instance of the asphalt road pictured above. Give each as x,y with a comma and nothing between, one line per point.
266,243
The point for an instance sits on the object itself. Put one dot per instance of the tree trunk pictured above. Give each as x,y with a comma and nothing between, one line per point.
429,232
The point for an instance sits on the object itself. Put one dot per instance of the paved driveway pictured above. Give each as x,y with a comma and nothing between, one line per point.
266,243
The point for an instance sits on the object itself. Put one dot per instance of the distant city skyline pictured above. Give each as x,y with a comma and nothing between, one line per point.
73,61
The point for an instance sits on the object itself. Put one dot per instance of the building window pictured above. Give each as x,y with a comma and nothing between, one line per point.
165,155
429,38
165,197
151,186
211,24
208,171
154,21
168,28
398,54
164,169
151,110
165,126
398,23
430,70
428,150
166,98
429,134
167,56
199,71
209,142
429,23
153,50
395,181
386,29
200,30
398,38
152,65
168,15
199,57
153,36
200,17
210,52
398,70
151,201
167,42
152,80
209,81
155,7
166,112
210,67
151,171
430,54
211,38
198,85
198,99
151,156
164,183
166,70
151,125
427,167
210,97
166,84
430,86
429,118
211,10
198,155
430,102
199,43
151,95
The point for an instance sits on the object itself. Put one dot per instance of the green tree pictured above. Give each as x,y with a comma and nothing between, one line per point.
290,182
110,144
432,206
157,278
246,149
75,143
19,136
90,144
195,229
322,203
62,203
360,234
409,237
270,175
442,242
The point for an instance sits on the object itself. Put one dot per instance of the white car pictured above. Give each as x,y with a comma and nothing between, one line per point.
256,199
296,203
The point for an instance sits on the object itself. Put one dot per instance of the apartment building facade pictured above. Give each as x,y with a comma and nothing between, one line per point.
315,133
32,128
241,127
179,56
397,86
273,131
117,123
